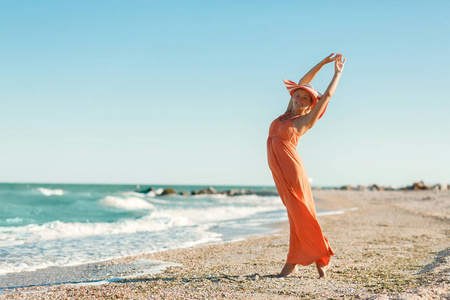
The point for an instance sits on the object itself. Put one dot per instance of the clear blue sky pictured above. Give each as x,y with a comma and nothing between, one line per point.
183,92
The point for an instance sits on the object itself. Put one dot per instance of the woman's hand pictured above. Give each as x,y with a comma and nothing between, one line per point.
330,58
339,64
312,73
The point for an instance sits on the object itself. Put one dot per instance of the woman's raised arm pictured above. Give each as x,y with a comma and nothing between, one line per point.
313,72
304,124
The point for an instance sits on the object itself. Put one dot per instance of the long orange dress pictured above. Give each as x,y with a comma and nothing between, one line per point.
306,243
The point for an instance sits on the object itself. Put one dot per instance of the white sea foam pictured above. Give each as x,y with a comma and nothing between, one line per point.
60,230
50,192
201,241
157,201
71,252
151,194
251,200
156,220
135,194
14,220
212,196
212,214
142,195
129,203
140,268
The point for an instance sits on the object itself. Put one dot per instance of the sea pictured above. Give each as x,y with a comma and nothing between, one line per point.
61,225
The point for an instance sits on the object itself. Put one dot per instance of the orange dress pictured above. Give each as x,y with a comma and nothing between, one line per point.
306,243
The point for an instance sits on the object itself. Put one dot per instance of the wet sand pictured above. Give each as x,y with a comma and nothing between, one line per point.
395,245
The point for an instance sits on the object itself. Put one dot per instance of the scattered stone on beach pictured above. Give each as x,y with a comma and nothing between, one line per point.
383,224
346,188
375,187
440,187
417,186
168,191
390,188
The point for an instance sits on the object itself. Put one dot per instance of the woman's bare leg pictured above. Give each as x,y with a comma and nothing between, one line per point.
321,270
287,269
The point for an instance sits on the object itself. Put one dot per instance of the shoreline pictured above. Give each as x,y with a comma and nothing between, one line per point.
393,244
105,271
264,228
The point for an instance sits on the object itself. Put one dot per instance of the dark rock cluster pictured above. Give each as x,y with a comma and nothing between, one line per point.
208,191
416,186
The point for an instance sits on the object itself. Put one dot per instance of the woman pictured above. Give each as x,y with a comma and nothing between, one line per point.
307,244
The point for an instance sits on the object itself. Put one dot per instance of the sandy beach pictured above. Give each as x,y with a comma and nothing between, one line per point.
394,245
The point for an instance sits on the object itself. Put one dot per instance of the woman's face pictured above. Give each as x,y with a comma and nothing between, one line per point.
302,99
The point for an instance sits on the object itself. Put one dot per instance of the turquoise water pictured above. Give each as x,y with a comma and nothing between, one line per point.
24,204
44,225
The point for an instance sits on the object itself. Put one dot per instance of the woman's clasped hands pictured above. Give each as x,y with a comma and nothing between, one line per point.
338,59
339,64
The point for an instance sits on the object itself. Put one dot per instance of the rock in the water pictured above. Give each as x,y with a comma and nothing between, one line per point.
145,191
168,191
184,193
233,192
208,191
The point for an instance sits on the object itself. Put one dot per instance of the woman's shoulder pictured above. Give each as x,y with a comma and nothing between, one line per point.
282,117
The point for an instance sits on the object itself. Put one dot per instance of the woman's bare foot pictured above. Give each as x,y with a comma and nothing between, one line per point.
287,270
322,273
